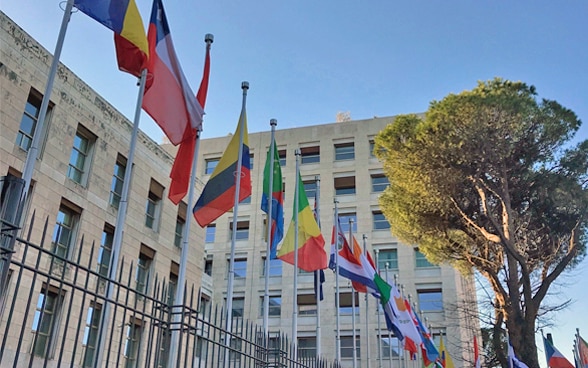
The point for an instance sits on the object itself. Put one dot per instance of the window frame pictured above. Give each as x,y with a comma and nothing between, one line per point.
379,185
210,165
347,346
392,260
35,100
210,235
77,171
344,185
242,230
344,151
50,294
379,221
275,264
424,304
310,155
105,250
118,180
274,310
93,318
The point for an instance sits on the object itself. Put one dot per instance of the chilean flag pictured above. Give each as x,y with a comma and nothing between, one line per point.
555,359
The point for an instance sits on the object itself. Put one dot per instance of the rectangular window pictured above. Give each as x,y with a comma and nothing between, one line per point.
344,221
105,250
306,304
45,320
133,338
146,256
282,154
347,347
63,233
210,233
345,185
430,299
346,303
275,306
173,284
208,267
310,155
389,346
251,159
210,165
91,333
30,117
118,179
344,151
372,147
235,352
275,267
242,230
180,224
310,188
379,221
421,261
153,205
238,307
79,160
388,256
205,305
306,347
239,267
379,183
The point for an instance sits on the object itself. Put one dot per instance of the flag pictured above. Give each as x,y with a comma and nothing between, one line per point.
310,247
405,320
513,361
582,351
168,98
477,360
446,360
428,348
555,359
123,18
319,279
277,197
218,195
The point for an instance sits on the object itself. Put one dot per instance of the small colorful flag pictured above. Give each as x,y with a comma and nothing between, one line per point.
555,359
274,191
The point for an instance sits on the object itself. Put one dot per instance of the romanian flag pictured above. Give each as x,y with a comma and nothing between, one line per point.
273,190
555,359
182,167
168,98
218,195
446,360
123,18
311,244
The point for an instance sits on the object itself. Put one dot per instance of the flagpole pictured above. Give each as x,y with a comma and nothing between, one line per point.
244,87
295,291
273,123
389,332
337,294
352,244
367,325
377,251
120,223
317,273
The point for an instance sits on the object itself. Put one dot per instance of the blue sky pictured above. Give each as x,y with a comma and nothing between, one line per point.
308,60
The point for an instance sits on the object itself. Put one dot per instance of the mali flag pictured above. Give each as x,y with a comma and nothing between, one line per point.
311,244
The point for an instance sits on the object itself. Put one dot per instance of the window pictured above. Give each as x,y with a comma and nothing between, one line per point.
251,159
306,304
133,338
29,120
146,256
45,320
210,233
345,185
235,352
180,224
344,221
105,250
208,267
346,303
91,333
379,183
153,205
275,306
174,271
379,221
238,307
388,256
344,151
118,179
79,160
306,347
63,233
242,230
275,267
282,154
205,306
310,188
389,346
430,299
239,267
210,165
310,155
347,347
372,148
421,261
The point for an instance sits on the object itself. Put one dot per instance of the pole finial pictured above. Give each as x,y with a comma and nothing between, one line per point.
209,38
273,122
244,85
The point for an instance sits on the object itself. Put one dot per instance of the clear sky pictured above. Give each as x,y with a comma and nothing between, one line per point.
308,60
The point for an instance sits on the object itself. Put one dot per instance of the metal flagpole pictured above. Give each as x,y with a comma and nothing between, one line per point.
270,202
229,311
389,333
180,287
403,356
367,312
337,294
33,151
295,291
378,312
352,245
120,223
317,274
